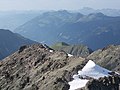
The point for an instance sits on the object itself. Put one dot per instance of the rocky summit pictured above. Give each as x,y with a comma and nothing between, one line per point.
38,67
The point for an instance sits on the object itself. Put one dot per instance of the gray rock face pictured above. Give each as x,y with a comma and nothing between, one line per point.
36,68
106,83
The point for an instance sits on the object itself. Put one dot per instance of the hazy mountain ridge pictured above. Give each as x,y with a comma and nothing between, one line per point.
10,42
13,19
108,12
94,30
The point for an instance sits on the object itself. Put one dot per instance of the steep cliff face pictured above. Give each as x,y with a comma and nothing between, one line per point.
37,67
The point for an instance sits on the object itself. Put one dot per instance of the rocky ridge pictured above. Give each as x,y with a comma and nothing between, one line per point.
105,83
38,67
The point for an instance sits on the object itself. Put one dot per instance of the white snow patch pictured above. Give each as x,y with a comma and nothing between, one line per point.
77,83
90,70
75,77
51,51
93,70
70,55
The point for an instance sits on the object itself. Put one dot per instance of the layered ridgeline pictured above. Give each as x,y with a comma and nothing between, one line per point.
108,12
37,67
76,50
94,30
13,19
10,42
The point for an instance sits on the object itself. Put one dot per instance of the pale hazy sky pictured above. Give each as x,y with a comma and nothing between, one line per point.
57,4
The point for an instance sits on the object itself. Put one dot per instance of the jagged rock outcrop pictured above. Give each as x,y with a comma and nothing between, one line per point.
35,67
105,83
108,57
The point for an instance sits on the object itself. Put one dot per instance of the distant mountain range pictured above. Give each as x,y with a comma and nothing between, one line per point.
108,12
95,30
12,19
10,42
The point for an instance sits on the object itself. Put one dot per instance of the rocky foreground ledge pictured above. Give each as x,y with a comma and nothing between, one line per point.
105,83
37,67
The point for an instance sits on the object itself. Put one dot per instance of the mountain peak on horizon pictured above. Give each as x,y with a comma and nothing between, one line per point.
98,14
